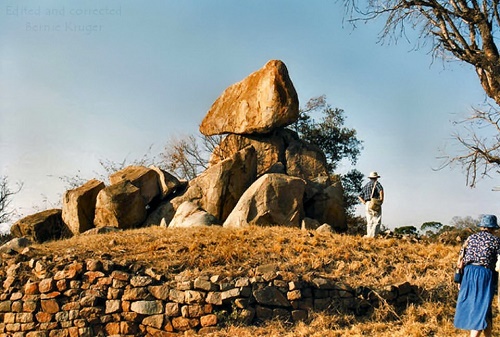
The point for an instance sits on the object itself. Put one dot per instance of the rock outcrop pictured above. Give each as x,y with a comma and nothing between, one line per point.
261,173
263,101
218,189
42,226
120,205
273,200
78,210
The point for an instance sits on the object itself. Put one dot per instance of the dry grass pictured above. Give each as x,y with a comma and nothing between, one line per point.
352,260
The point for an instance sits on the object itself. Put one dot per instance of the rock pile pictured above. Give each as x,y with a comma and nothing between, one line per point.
103,297
262,173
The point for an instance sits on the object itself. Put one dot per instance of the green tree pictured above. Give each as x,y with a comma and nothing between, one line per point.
431,228
406,230
455,30
337,141
431,225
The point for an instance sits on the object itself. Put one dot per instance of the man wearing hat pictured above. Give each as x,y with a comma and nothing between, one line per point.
372,195
477,288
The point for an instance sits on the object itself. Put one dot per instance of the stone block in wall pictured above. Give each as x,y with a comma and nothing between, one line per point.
112,328
246,291
208,320
159,292
31,288
147,307
50,306
281,314
323,283
321,293
155,321
70,272
134,294
177,296
120,275
321,304
294,295
172,309
112,306
17,306
193,296
114,293
242,282
263,313
299,315
140,281
5,306
230,294
214,297
30,306
205,284
131,317
185,324
271,296
46,285
91,314
246,316
9,318
306,303
37,334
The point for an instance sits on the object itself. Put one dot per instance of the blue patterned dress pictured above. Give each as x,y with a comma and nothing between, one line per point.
473,310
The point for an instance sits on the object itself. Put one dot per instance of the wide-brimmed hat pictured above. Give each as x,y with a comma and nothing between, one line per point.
489,221
373,174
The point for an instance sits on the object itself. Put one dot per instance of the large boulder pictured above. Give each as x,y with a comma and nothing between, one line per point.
120,205
145,179
273,200
163,212
301,159
305,160
168,183
327,205
218,188
263,101
191,215
42,226
78,209
270,149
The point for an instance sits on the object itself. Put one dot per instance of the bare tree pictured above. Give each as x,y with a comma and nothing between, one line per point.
188,156
460,30
6,195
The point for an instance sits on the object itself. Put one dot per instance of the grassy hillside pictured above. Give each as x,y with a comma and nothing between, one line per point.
353,260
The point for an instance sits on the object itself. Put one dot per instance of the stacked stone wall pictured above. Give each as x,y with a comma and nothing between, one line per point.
105,298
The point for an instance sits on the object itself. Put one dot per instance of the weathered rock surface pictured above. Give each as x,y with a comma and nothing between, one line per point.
15,245
78,209
263,101
120,205
218,189
41,227
191,215
305,160
282,146
274,199
327,206
145,179
168,183
270,149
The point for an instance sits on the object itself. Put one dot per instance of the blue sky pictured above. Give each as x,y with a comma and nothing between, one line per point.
83,81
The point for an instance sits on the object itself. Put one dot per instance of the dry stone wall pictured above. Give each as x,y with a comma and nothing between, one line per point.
101,297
